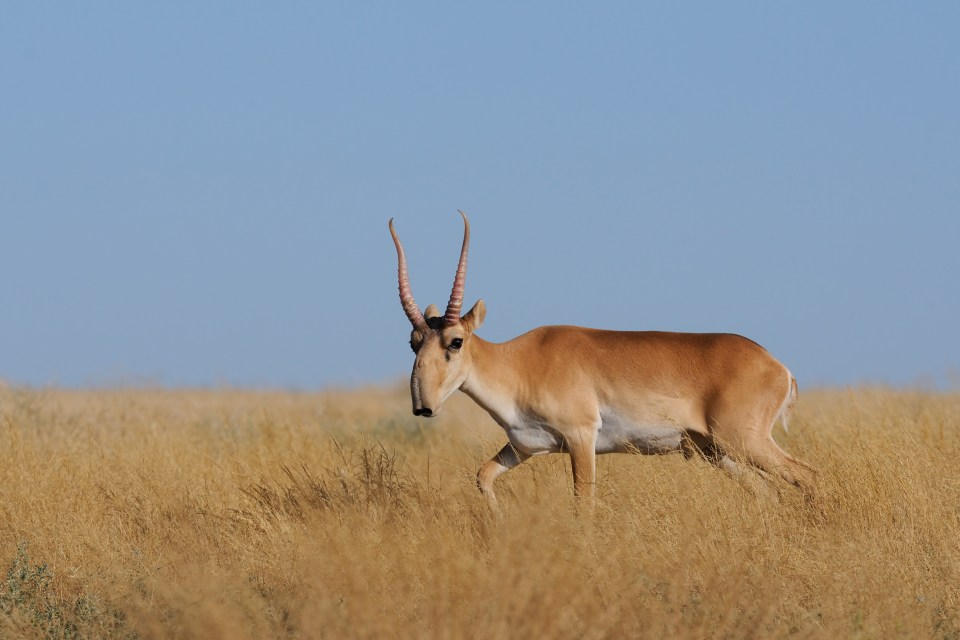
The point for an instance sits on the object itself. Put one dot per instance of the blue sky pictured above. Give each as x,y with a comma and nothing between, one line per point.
199,195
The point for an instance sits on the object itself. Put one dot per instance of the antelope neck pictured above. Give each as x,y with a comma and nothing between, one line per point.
486,384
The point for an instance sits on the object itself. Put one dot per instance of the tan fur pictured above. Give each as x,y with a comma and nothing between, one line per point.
587,391
722,391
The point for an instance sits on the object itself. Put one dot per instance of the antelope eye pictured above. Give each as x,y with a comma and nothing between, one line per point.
456,343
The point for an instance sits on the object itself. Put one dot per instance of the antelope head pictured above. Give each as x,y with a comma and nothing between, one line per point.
442,343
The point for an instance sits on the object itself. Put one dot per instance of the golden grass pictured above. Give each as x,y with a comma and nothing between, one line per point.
205,514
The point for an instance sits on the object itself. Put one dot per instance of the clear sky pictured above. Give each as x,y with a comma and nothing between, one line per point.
198,193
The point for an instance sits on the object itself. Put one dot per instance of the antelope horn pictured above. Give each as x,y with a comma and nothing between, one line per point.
452,316
406,294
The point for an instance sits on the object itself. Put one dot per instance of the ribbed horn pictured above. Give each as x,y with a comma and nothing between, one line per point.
406,294
452,316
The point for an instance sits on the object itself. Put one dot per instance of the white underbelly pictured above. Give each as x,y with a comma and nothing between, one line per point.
616,435
619,435
534,438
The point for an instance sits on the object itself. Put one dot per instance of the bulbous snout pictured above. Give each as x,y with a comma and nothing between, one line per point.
423,405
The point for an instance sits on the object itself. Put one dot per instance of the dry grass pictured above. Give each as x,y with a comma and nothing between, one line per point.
194,514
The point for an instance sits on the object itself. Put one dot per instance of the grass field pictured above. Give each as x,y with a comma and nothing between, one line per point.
227,514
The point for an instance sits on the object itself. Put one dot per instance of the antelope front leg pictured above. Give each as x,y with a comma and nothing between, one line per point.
507,459
583,459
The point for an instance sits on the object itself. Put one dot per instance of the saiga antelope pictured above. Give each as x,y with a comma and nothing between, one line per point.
590,391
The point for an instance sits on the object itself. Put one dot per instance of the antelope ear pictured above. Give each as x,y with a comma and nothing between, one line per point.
431,312
475,316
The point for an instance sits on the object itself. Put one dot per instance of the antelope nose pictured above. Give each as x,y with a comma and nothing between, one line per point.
427,413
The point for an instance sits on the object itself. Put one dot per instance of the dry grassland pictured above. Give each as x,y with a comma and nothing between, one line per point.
225,514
